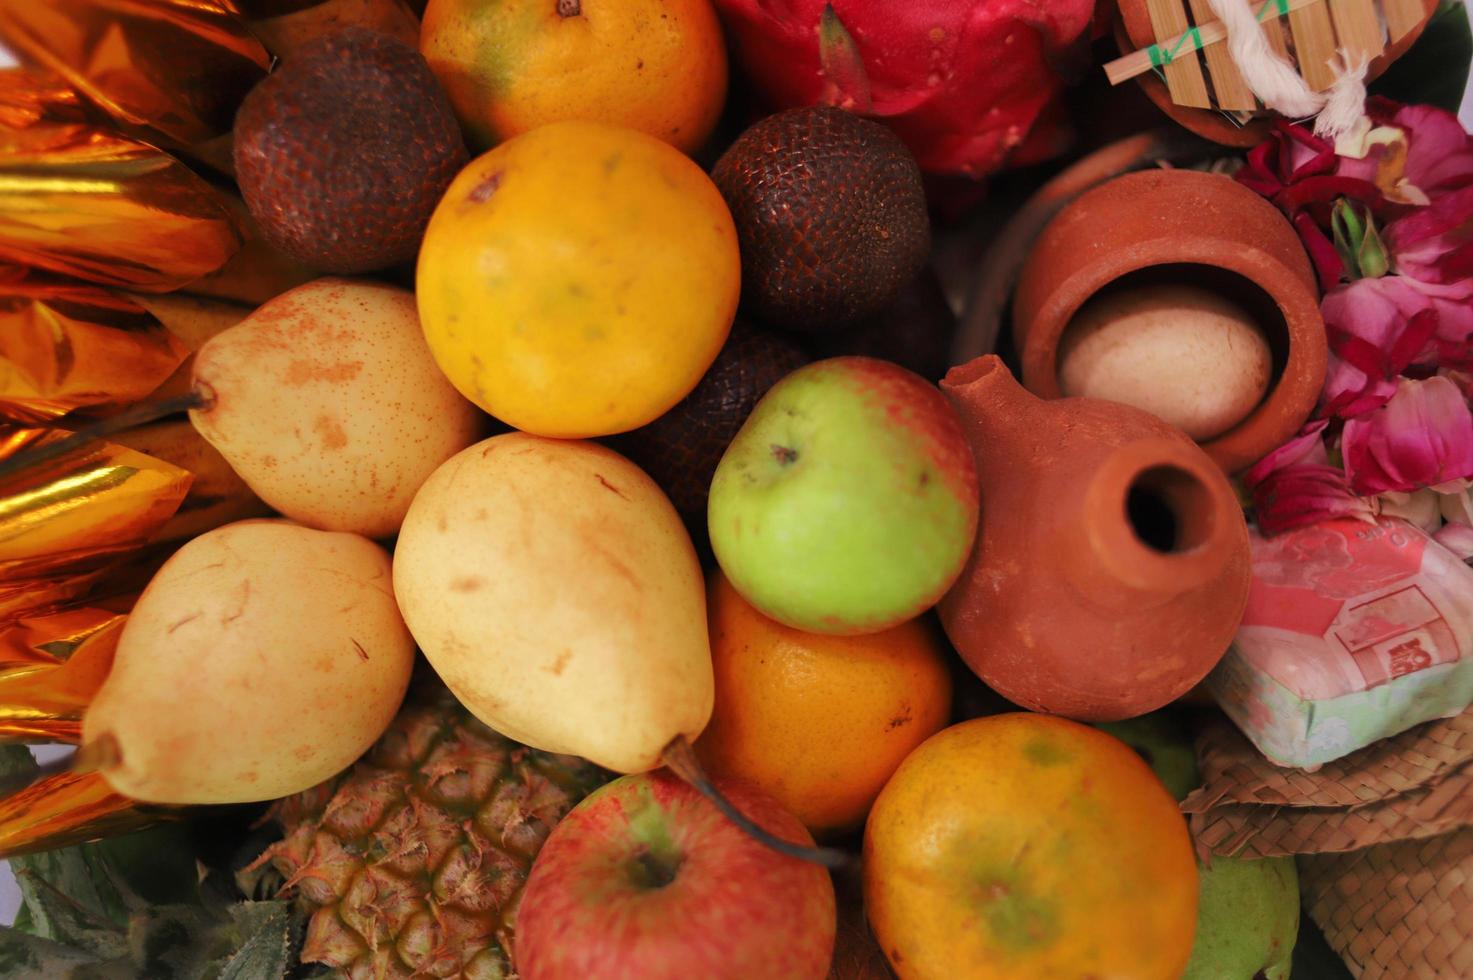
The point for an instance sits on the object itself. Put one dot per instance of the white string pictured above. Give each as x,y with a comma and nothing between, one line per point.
1278,84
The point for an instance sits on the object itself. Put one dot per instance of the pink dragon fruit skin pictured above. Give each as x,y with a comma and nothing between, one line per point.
969,85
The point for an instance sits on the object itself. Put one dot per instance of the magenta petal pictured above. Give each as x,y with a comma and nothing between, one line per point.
1302,495
1307,448
1329,267
1433,243
1439,151
1421,438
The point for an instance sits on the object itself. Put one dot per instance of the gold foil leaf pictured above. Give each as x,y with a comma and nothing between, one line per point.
50,668
64,522
177,68
84,202
70,345
30,95
69,808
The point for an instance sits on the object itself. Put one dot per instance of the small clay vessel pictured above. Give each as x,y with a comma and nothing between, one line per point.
1133,32
1194,228
1111,567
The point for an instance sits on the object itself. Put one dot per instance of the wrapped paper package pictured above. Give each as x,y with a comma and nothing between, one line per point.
1354,631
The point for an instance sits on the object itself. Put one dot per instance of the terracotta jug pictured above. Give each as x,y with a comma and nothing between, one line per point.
1111,567
1191,228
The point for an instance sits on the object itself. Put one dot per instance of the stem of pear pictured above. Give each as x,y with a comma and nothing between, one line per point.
680,758
126,419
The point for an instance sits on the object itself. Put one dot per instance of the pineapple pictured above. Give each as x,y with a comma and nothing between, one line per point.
411,863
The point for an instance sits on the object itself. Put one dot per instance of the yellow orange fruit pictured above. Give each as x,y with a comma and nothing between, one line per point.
817,721
1024,846
578,280
509,66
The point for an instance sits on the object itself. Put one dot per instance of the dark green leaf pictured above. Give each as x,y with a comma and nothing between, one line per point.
266,953
1435,70
71,924
73,872
176,941
26,957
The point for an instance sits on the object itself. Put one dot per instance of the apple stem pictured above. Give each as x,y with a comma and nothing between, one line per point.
137,415
680,758
569,8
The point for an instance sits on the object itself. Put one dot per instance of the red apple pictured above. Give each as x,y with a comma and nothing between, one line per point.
646,880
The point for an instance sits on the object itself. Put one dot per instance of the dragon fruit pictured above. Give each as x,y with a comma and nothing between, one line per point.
969,85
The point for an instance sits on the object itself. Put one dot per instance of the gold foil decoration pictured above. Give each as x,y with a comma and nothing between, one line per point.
29,96
66,522
67,345
50,668
85,202
70,808
169,71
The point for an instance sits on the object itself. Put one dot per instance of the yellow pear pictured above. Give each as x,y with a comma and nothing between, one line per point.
263,658
327,402
554,589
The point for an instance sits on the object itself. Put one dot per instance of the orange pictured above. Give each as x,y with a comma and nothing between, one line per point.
578,280
511,65
818,721
1023,846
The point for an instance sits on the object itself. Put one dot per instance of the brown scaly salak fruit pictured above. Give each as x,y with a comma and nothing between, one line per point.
412,862
681,448
830,215
343,152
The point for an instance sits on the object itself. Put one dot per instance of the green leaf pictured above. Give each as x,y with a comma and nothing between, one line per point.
155,864
1435,70
26,957
175,941
266,952
73,872
74,926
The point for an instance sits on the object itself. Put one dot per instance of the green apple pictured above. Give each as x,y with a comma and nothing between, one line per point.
1247,911
1247,920
847,503
1164,745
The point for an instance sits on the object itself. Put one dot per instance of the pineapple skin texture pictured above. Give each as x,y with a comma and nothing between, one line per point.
411,864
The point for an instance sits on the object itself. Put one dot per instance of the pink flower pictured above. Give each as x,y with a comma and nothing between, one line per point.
1414,154
1439,155
1297,171
1422,437
1295,485
1435,243
1377,329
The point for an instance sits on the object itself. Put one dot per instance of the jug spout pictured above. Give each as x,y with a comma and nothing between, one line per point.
984,390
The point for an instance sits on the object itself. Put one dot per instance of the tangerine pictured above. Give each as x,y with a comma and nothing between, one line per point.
817,721
1023,846
509,66
578,280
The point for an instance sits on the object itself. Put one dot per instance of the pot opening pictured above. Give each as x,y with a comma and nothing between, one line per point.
1122,345
1169,510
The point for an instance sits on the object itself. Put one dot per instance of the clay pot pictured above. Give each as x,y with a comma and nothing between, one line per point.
1192,227
1133,32
1112,566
